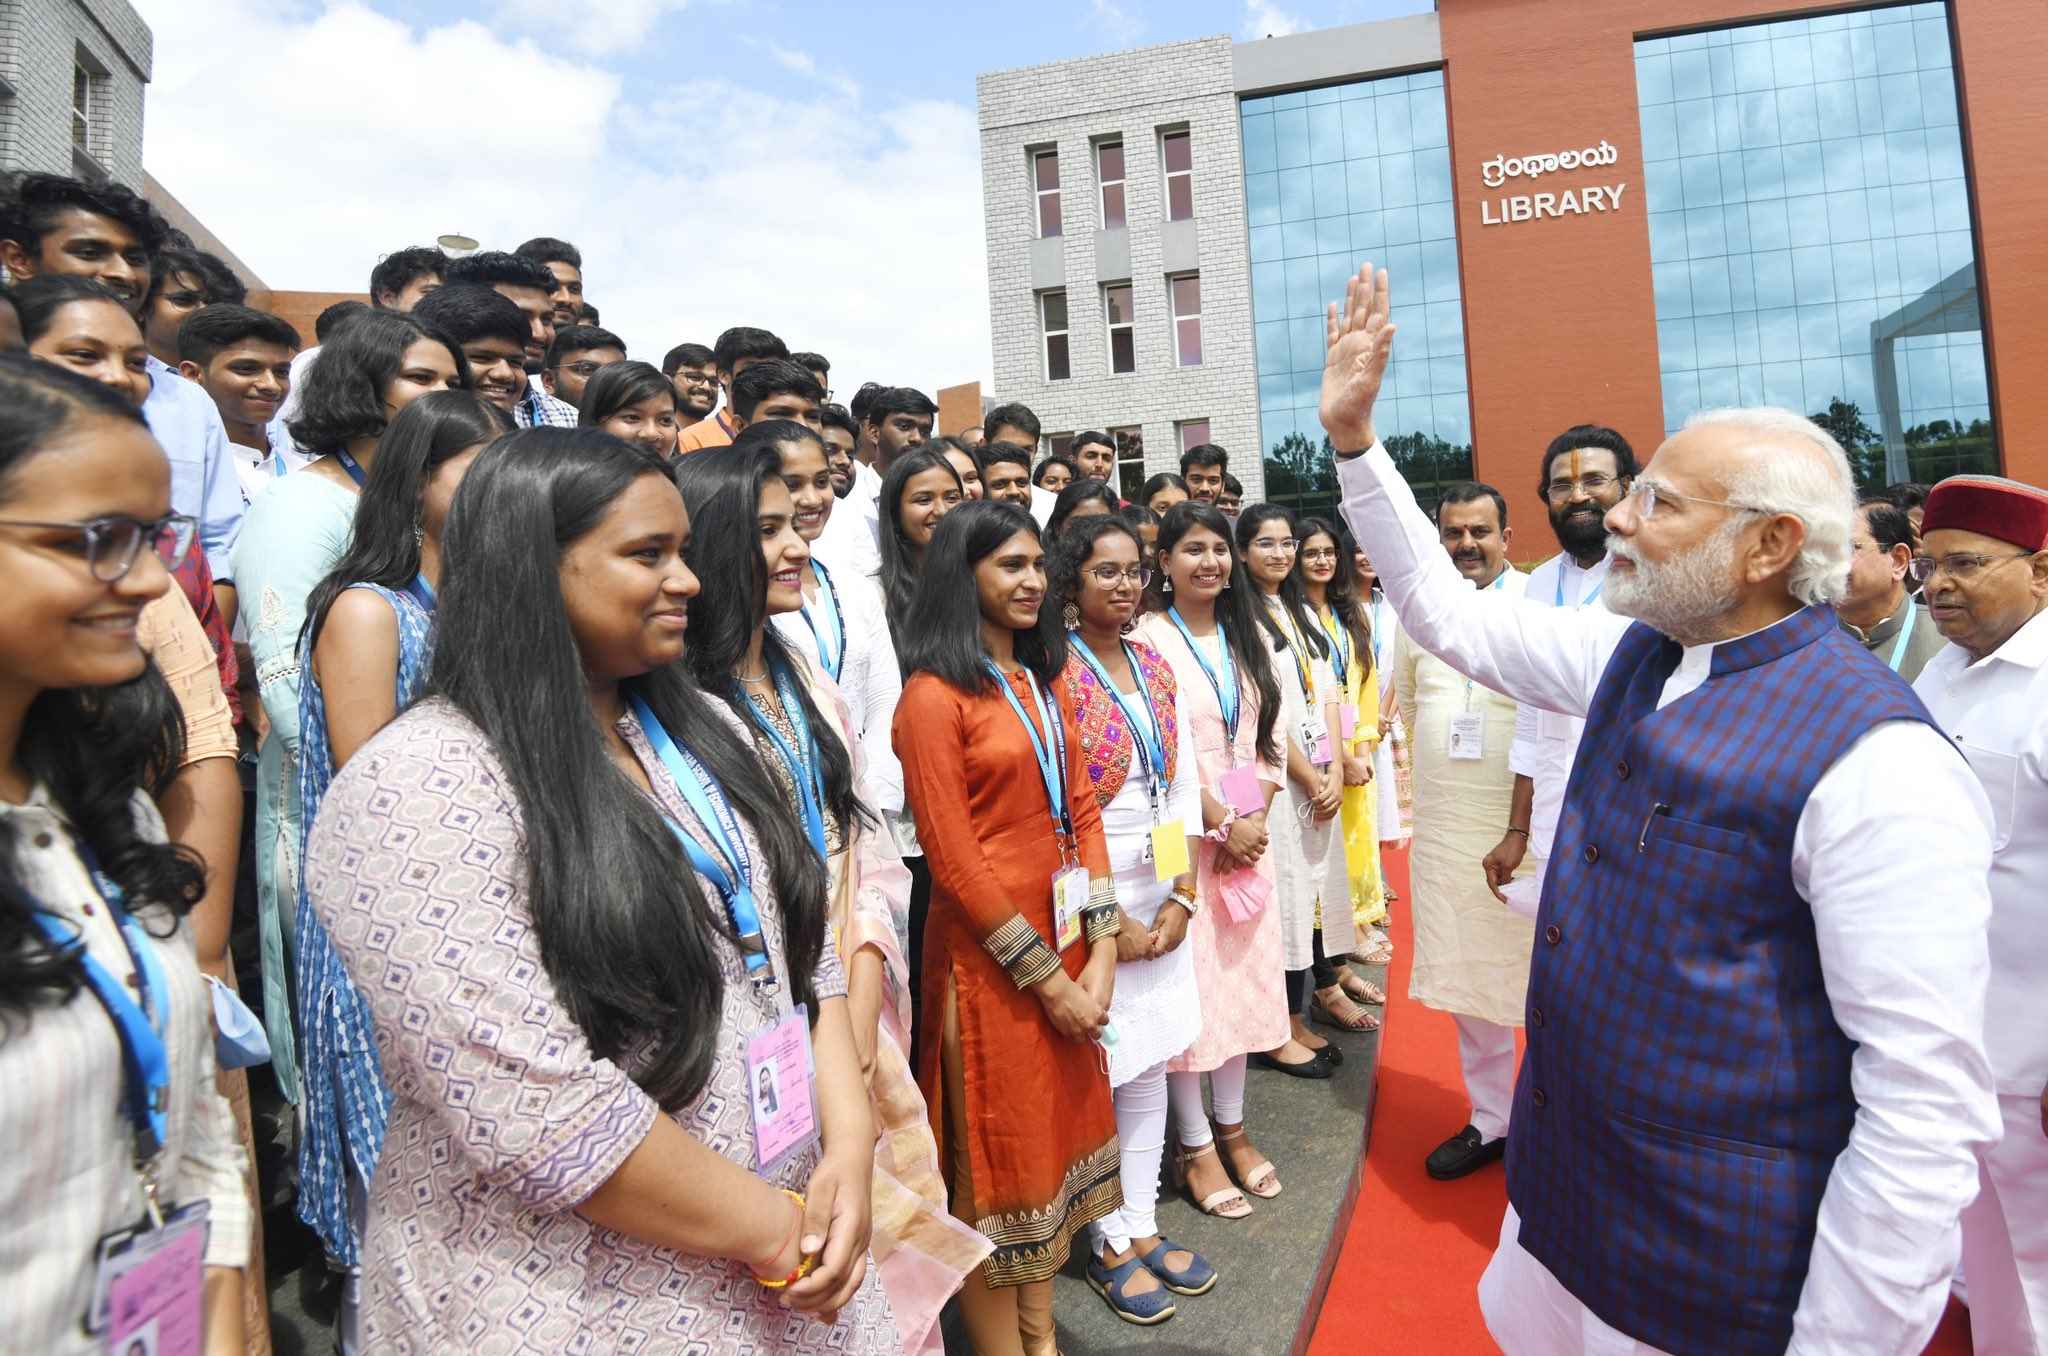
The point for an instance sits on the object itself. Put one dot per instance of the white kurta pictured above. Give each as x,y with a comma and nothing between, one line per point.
1996,710
1546,742
1308,858
868,676
1471,951
1156,1009
1905,979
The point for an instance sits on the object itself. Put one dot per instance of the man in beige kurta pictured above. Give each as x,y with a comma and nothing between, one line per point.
1471,952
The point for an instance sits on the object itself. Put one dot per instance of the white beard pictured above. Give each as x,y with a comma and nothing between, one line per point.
1682,596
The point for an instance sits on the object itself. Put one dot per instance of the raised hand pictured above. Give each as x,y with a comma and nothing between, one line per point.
1361,340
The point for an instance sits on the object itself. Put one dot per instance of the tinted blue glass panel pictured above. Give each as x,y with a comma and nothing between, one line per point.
1810,241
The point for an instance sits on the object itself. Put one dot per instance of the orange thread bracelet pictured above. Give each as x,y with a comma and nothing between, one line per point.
804,1262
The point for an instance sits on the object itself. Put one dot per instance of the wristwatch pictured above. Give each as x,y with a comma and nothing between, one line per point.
1186,899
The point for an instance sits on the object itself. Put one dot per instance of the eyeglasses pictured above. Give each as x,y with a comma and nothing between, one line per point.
111,544
696,378
1269,545
1316,555
583,370
1648,494
1561,489
1960,566
1109,576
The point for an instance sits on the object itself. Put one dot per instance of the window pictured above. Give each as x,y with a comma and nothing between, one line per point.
1130,460
1109,172
1193,432
1810,241
81,108
1052,321
1056,444
1123,344
1333,177
1186,294
1045,180
1178,155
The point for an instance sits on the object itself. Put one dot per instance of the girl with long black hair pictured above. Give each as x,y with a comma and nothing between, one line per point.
1206,623
585,923
1326,577
748,557
1084,498
1308,849
634,401
1020,964
294,532
919,489
106,1024
362,659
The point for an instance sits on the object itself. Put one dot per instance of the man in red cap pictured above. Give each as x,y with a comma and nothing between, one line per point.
1984,570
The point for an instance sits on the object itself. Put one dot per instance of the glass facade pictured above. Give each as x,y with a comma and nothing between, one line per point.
1335,177
1810,234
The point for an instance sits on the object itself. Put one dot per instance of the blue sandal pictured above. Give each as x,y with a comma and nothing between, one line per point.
1196,1278
1144,1310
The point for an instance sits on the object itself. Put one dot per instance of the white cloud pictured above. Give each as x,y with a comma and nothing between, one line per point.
1115,22
1264,19
620,24
313,142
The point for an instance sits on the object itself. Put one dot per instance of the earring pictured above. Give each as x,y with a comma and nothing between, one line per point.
1128,627
1070,617
419,535
1165,582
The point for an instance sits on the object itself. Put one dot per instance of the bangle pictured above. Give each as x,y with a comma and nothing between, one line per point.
1184,897
1513,829
804,1263
1222,830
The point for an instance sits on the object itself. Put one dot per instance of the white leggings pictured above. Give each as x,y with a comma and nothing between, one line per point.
1141,1130
1226,1093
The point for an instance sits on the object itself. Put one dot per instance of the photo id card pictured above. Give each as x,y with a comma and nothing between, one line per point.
153,1284
1347,722
1468,736
1315,740
1169,849
1069,897
779,1090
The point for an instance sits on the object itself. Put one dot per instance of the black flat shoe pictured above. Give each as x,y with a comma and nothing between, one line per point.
1330,1055
1314,1067
1463,1154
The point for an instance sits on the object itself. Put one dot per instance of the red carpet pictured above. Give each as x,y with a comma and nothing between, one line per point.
1408,1276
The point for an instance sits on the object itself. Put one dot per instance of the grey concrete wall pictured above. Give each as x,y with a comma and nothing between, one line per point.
39,43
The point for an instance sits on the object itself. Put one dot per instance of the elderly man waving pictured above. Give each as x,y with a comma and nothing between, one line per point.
1755,1085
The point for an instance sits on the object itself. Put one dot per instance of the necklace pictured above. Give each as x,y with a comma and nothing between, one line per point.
752,678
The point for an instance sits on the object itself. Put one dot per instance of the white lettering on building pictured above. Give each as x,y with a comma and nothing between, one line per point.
1518,207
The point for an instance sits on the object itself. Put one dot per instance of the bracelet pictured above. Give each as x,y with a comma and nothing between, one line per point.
1183,897
1222,830
1513,829
804,1264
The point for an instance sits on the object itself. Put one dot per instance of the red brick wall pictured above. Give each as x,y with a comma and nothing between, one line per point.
301,308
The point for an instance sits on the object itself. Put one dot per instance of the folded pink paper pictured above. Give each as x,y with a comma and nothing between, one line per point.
1242,791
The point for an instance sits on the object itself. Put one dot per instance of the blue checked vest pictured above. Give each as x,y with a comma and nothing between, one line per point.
1686,1089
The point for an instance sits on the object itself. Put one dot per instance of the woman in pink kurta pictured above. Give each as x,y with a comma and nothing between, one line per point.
1203,619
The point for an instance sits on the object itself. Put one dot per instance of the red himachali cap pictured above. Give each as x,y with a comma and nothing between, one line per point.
1990,506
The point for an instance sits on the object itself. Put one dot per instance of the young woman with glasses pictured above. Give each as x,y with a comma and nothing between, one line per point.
1139,751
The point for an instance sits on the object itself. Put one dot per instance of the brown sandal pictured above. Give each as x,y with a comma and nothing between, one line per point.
1262,1175
1334,1008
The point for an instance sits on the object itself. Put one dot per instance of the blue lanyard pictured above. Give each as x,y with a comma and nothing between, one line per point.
1586,601
805,768
277,466
145,1059
1298,643
832,653
1905,634
1340,644
349,464
1225,686
422,592
731,874
1052,761
1148,737
1379,637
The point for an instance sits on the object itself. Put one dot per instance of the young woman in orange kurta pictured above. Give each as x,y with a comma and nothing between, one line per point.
1018,1090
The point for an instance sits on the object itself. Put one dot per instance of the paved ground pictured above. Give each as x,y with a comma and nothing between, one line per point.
1314,1133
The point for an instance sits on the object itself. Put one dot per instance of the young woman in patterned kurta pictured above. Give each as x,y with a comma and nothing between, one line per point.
1019,1099
1236,931
561,1000
743,502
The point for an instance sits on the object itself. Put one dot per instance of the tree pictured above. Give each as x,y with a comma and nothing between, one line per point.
1863,444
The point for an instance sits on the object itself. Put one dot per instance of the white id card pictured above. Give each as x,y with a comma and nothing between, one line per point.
1315,740
1069,897
1468,736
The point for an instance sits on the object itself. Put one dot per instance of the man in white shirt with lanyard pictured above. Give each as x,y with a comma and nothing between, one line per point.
1755,1088
1586,470
1984,569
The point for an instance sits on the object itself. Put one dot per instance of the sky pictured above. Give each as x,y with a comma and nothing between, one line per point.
811,168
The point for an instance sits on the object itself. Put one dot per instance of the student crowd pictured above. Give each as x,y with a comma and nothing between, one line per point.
728,871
